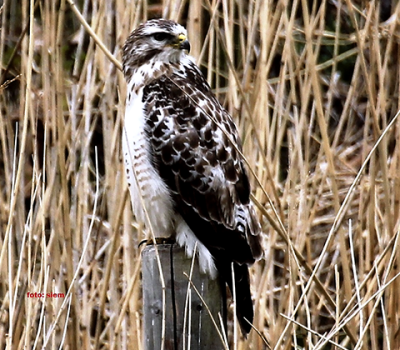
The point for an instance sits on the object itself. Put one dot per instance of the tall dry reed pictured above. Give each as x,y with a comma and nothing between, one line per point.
314,89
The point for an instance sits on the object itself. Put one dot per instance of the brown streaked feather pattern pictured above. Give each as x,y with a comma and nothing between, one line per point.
197,161
186,143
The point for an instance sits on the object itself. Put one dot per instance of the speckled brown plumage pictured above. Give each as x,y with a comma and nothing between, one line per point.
185,150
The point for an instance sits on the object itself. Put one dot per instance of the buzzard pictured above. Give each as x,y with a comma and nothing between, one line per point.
181,156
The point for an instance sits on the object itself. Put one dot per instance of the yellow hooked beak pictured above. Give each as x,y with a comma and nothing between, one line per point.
183,43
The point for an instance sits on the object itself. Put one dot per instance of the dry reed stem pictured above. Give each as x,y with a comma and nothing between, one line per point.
313,88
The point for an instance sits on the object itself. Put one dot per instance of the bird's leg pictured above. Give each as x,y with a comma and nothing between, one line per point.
159,240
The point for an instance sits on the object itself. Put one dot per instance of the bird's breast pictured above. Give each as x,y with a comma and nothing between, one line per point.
150,196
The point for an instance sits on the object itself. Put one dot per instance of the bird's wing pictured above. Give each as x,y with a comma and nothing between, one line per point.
198,162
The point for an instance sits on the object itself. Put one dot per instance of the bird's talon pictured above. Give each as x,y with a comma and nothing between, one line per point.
158,240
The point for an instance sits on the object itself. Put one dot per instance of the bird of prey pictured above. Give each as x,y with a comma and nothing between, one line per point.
182,163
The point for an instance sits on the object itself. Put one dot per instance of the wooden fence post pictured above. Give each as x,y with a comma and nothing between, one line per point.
200,331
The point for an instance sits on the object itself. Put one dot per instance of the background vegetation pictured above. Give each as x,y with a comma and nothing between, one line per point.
314,89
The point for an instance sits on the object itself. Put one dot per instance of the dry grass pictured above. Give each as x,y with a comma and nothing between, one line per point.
313,87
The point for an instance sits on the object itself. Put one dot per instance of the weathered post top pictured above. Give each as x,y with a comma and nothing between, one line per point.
186,318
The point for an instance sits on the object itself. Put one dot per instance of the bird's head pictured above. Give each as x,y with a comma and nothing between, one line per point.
158,41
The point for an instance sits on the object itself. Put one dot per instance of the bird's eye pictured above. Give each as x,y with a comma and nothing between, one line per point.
161,36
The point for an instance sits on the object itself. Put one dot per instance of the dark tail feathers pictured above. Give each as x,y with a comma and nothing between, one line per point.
244,304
